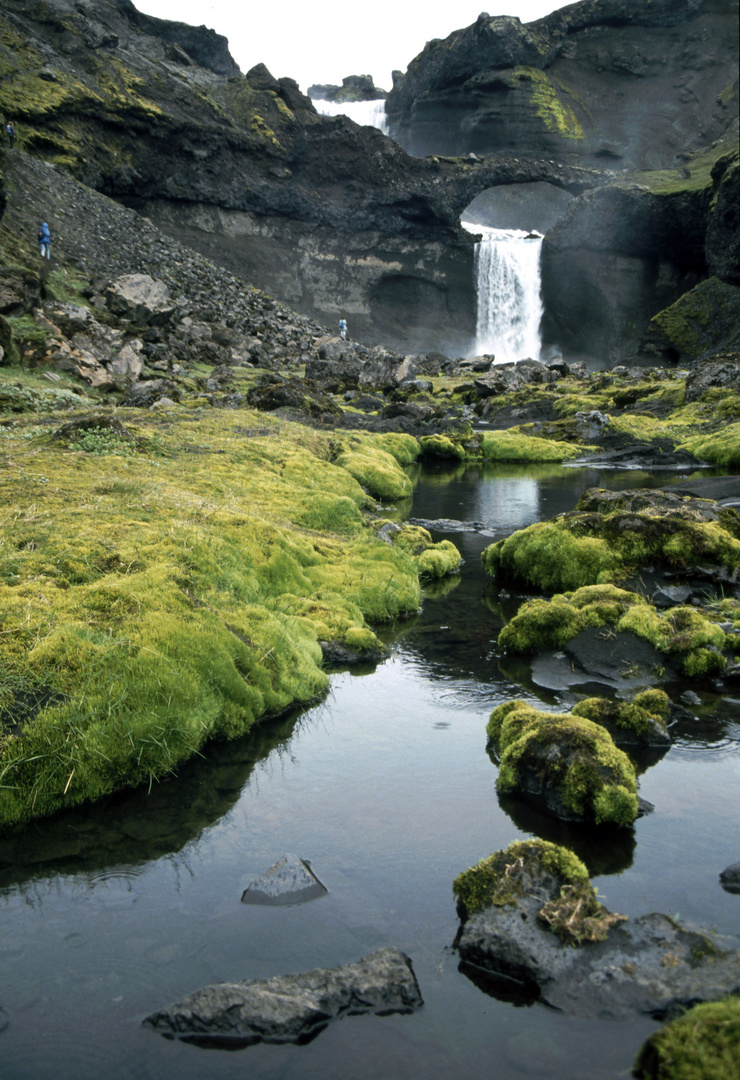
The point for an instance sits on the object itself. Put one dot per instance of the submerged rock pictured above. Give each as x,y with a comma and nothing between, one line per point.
289,881
730,878
291,1008
534,906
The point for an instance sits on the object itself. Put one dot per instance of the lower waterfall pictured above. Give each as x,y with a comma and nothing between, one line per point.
507,273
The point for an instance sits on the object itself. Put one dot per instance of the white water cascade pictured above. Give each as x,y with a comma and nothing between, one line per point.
366,113
507,271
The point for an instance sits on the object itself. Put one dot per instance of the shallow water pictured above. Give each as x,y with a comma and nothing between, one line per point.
110,913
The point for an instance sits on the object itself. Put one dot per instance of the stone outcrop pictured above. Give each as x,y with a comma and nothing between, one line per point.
615,83
291,1008
353,88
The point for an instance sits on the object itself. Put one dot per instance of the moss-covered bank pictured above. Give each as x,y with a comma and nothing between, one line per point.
167,580
601,541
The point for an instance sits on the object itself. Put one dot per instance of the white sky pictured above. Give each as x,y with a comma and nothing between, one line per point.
325,40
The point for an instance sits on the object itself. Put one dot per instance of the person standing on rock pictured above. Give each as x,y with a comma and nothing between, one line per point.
44,239
343,328
10,129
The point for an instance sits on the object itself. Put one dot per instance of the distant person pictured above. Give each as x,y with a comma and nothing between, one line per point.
11,133
343,328
44,239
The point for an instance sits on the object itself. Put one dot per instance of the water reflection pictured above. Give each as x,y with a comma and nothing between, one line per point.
117,836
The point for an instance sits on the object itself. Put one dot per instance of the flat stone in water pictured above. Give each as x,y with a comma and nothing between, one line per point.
289,881
291,1008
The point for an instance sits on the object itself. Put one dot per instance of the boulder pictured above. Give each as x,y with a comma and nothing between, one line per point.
530,914
289,881
141,300
566,764
503,378
128,364
291,1008
142,395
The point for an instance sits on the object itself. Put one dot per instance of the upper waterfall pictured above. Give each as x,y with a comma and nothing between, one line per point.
507,272
367,113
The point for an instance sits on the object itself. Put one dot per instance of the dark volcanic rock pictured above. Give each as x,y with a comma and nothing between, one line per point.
540,89
291,1008
730,878
648,965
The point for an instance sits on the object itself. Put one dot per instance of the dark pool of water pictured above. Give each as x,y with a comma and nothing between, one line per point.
109,913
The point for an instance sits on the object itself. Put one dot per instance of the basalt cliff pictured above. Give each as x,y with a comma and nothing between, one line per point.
336,219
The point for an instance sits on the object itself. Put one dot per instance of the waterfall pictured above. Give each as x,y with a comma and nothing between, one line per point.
366,113
507,272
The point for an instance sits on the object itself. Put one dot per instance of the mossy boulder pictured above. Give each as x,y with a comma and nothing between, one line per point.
499,879
530,914
608,537
701,1044
639,722
378,472
684,634
568,764
441,446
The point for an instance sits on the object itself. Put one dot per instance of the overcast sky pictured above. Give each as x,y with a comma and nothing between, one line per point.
324,40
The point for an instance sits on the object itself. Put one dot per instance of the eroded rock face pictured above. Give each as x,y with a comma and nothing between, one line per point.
291,1008
611,83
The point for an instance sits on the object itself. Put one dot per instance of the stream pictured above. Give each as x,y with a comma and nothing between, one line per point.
113,911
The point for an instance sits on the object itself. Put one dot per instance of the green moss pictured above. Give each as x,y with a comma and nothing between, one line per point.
703,1043
634,716
378,472
594,779
721,448
440,446
552,557
497,881
438,560
584,546
163,599
683,633
404,448
556,114
515,446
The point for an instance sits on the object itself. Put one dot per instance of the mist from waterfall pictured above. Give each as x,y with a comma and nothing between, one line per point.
507,274
366,113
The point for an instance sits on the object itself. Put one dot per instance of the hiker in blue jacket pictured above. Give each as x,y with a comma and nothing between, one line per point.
343,328
44,238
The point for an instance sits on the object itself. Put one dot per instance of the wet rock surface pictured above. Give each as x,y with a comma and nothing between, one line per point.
291,1008
289,881
651,964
